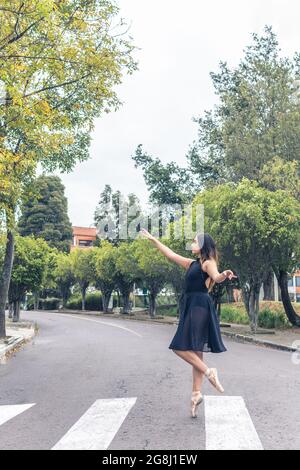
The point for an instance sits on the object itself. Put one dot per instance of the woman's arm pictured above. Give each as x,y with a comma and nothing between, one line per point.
210,266
170,254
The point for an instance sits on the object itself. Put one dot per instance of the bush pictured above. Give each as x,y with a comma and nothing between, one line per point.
49,304
93,302
267,318
270,319
233,315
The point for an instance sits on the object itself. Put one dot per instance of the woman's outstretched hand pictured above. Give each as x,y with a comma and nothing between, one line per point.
229,274
146,234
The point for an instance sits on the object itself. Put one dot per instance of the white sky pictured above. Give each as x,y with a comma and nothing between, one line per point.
181,43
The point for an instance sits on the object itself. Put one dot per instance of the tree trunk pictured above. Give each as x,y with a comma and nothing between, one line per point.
126,306
36,301
10,309
251,301
286,301
105,301
16,316
254,308
5,279
152,304
83,295
268,285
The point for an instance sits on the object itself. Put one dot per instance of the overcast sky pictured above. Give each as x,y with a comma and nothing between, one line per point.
181,42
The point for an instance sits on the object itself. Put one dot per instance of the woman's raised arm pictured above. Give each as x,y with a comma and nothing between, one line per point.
170,254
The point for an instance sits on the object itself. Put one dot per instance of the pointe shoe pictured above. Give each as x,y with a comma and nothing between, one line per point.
196,399
212,375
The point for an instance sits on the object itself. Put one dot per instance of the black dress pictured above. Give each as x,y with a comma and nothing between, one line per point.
198,328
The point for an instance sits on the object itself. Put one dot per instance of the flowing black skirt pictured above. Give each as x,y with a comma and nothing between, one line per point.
198,328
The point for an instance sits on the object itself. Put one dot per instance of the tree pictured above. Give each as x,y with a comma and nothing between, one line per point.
279,174
127,272
59,62
167,184
105,270
154,268
82,261
47,217
29,269
114,215
64,276
254,229
257,117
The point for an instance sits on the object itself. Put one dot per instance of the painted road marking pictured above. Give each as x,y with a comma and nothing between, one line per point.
8,412
229,425
97,427
70,315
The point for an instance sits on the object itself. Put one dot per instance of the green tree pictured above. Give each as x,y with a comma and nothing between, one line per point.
167,184
105,271
254,229
154,268
64,276
59,63
82,261
47,216
127,272
115,215
257,117
29,270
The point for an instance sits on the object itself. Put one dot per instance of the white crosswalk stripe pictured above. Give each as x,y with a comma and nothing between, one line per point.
97,427
228,425
8,412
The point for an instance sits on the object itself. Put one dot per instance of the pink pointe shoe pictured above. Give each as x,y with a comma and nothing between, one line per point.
212,375
196,399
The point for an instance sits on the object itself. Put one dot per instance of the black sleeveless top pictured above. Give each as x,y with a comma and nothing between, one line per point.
195,278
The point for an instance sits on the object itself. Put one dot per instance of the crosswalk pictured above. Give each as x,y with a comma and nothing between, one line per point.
228,424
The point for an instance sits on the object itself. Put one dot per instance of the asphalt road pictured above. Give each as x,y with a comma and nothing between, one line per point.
77,368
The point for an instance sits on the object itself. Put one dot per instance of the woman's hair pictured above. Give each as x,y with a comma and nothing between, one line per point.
208,250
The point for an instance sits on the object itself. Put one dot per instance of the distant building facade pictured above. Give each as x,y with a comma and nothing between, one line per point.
83,237
294,287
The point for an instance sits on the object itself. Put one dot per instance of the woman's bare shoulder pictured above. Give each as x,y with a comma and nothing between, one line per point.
207,263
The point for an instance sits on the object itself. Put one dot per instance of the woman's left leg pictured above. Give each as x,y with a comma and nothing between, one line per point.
197,375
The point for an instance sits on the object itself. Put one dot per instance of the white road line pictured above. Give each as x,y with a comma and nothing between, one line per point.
97,427
8,412
97,321
229,425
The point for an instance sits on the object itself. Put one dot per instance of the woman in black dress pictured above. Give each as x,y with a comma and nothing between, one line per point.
198,329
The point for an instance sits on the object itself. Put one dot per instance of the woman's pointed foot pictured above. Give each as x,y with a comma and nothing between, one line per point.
196,399
212,375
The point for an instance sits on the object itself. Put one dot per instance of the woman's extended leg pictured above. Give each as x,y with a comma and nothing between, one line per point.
192,358
197,376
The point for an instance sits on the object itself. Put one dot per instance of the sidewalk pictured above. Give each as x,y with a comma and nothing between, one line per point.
17,334
284,340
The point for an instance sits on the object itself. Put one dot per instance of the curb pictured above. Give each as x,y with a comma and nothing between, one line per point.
114,315
14,345
259,342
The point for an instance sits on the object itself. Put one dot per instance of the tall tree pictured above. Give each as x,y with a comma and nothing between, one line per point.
167,184
255,229
256,119
83,268
59,63
115,216
29,270
47,216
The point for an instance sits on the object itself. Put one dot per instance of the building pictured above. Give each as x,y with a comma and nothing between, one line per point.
83,237
294,287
